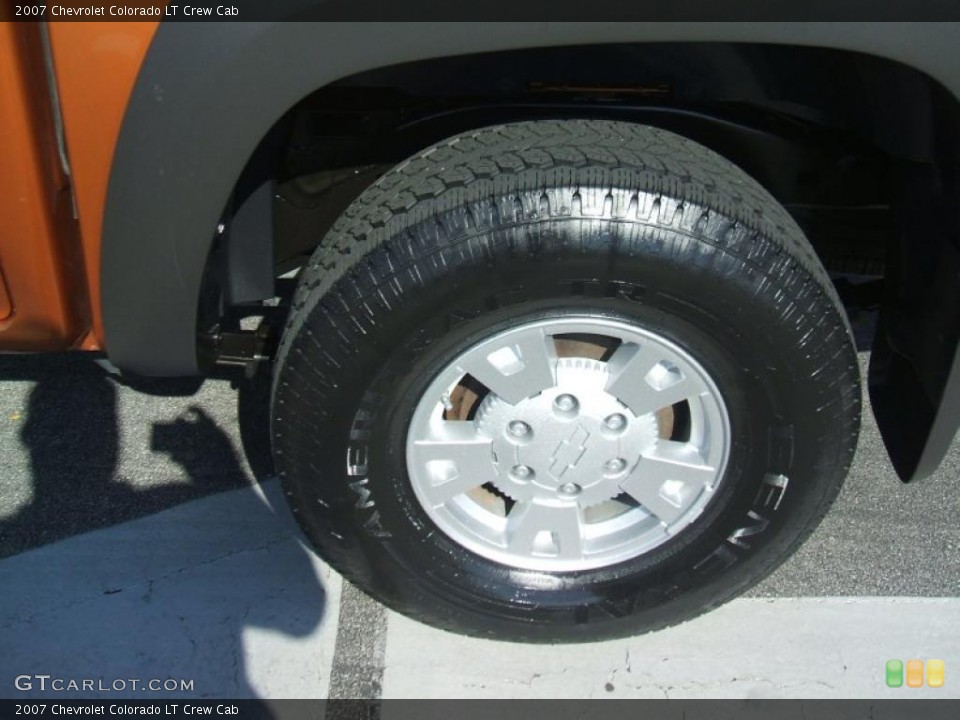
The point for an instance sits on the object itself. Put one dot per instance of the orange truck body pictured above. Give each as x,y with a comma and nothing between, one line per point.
50,239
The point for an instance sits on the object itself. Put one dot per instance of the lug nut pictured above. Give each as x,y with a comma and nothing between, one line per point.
615,422
518,429
522,472
569,489
612,467
566,403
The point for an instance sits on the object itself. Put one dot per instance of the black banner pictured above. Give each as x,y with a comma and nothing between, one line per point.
483,709
491,10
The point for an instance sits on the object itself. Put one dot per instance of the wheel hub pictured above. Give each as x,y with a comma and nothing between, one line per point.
570,444
563,464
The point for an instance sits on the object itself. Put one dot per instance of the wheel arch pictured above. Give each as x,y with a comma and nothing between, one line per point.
206,98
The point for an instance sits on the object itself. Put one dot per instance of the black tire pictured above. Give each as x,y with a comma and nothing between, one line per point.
533,220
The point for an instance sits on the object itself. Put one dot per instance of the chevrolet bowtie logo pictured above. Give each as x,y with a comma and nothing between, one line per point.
569,452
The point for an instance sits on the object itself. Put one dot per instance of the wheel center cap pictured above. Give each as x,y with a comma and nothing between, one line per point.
573,443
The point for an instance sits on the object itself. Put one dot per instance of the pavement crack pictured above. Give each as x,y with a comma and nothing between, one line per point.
188,634
148,582
148,593
236,667
692,685
224,556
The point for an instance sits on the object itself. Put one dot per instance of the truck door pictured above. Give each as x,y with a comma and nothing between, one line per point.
43,302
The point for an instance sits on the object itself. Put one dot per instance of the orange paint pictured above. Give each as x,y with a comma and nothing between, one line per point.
96,65
43,305
50,259
5,306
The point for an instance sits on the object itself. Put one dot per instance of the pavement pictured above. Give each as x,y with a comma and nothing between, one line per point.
138,542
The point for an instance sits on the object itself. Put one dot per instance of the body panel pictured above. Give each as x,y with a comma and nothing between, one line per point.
5,307
96,66
43,304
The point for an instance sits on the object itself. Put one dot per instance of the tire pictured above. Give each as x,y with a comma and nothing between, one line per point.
560,227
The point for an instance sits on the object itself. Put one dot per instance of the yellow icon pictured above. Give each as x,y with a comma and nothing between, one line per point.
914,673
935,673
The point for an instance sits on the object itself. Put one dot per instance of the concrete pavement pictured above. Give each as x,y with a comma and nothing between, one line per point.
149,552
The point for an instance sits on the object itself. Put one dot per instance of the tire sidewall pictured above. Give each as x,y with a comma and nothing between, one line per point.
361,475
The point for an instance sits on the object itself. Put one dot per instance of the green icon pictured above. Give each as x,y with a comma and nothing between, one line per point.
894,673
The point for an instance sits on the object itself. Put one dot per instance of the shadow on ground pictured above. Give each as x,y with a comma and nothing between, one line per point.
214,593
197,592
71,432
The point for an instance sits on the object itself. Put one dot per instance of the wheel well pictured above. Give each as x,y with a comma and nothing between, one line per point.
828,150
848,142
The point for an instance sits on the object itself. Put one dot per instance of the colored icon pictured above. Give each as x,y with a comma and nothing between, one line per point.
935,673
914,673
894,673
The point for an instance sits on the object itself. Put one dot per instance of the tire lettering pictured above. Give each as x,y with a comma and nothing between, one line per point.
363,494
629,291
419,342
760,524
717,561
780,453
768,497
457,317
618,608
362,421
613,289
622,607
358,457
373,526
772,492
